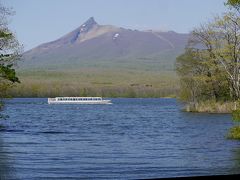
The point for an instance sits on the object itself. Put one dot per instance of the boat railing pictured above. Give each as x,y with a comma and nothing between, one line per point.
75,99
51,99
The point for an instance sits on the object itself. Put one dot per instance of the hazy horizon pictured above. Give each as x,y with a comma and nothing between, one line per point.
37,22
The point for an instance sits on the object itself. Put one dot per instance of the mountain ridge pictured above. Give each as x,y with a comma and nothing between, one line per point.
92,42
102,60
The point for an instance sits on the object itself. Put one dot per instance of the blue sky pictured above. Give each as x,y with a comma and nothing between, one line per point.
39,21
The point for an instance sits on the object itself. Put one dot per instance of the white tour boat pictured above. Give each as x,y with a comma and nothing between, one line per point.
78,100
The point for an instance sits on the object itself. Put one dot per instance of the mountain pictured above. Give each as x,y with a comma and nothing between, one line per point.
94,45
102,60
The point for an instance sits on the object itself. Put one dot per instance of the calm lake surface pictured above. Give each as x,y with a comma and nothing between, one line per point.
130,139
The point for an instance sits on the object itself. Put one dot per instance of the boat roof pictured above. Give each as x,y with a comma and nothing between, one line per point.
78,97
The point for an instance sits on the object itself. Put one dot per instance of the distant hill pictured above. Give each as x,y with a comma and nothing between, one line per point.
102,60
96,45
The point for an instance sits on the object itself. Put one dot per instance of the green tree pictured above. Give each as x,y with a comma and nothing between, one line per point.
10,51
187,69
233,4
214,60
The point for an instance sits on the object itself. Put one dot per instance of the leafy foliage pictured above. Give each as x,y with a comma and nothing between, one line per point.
7,72
9,53
210,66
234,4
236,115
234,133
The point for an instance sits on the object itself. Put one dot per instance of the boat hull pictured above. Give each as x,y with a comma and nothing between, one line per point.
80,102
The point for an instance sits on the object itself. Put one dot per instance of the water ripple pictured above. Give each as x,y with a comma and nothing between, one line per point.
130,139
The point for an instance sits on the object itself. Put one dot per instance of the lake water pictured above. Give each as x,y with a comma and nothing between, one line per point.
130,139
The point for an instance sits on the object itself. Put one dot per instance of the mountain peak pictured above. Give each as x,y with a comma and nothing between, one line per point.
88,25
90,22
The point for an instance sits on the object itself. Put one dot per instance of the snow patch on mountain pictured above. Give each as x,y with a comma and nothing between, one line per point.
115,36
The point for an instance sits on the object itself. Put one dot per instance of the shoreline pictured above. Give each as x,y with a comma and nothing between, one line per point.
208,107
212,107
102,97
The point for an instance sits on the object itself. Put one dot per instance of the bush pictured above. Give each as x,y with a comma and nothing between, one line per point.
1,105
236,115
210,106
234,133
